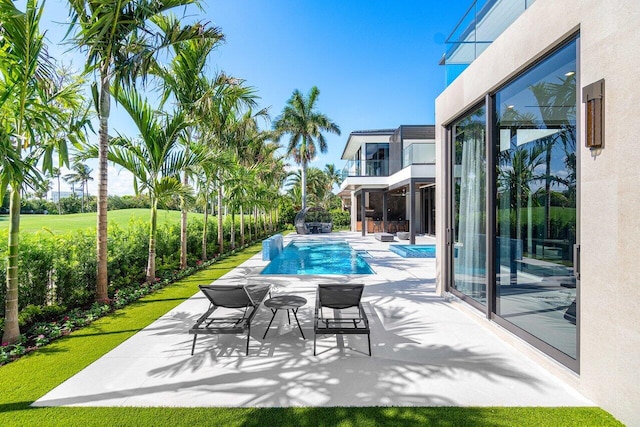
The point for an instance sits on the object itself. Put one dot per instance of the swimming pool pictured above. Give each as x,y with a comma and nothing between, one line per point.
414,251
318,257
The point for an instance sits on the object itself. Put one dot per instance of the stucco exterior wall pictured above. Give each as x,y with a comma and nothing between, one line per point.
609,197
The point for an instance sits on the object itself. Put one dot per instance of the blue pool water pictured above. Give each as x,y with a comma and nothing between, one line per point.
414,251
318,257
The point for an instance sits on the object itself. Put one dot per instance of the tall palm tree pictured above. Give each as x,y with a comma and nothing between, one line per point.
184,79
218,112
305,125
33,109
55,173
120,42
80,174
154,159
333,175
207,176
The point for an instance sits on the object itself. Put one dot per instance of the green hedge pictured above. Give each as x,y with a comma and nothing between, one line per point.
340,218
60,270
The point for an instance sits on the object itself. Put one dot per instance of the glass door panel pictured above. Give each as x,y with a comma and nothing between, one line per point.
536,201
469,186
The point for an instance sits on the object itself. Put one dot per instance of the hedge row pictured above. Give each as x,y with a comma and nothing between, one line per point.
60,270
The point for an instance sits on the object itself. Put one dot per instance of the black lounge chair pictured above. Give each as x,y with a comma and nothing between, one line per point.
243,302
332,315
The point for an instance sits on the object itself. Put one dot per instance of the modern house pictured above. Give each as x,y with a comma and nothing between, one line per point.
536,179
389,180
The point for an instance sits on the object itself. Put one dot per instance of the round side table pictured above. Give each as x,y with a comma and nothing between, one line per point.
285,302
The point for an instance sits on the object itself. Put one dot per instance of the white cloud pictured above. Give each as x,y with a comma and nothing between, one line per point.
120,182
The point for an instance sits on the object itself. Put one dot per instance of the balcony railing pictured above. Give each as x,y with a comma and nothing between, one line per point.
484,21
365,168
419,153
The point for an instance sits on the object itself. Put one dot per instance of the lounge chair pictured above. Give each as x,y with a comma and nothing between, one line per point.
339,311
242,303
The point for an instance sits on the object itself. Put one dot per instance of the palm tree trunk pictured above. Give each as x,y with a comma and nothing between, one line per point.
249,228
11,333
183,213
59,205
233,231
220,223
204,228
547,188
304,184
103,149
241,227
272,226
151,263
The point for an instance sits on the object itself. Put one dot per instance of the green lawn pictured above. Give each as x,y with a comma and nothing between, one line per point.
29,378
64,223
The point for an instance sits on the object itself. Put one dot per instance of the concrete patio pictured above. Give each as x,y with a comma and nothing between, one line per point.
426,352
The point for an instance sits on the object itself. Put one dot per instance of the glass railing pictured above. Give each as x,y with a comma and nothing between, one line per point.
365,168
484,21
420,153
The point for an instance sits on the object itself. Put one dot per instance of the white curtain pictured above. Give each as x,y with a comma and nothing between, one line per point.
471,249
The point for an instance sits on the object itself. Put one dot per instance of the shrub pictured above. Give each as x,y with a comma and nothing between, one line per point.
340,218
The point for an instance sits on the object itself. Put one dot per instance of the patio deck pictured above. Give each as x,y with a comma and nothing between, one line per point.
425,353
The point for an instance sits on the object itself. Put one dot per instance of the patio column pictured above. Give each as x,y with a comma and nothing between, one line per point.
353,211
384,211
412,204
363,213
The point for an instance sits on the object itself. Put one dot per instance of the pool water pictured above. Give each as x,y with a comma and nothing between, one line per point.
414,251
319,257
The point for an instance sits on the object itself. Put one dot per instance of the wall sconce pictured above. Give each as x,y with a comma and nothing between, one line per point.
593,96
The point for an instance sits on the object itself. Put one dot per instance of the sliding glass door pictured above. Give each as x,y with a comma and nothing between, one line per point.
469,186
536,201
523,276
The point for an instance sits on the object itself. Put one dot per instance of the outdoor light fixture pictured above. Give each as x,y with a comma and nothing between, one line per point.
593,96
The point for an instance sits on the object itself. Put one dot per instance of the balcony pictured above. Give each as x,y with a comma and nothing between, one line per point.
419,154
365,168
484,21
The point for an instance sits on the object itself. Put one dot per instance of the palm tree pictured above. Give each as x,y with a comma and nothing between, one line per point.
80,174
218,111
154,159
206,172
305,125
184,79
317,185
55,173
333,176
120,43
33,109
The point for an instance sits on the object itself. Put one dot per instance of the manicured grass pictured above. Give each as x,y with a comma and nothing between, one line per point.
65,223
27,379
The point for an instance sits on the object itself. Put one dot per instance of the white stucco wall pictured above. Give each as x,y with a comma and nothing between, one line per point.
608,180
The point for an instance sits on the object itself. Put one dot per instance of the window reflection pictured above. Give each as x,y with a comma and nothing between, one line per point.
536,201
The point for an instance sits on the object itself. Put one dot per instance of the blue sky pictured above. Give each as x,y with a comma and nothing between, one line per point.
375,62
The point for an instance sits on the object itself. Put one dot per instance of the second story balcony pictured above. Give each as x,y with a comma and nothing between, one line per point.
484,21
419,154
366,168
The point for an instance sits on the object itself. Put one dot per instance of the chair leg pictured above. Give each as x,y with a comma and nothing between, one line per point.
314,344
369,340
193,346
248,338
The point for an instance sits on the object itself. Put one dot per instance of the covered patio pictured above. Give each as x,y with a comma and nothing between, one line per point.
425,352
